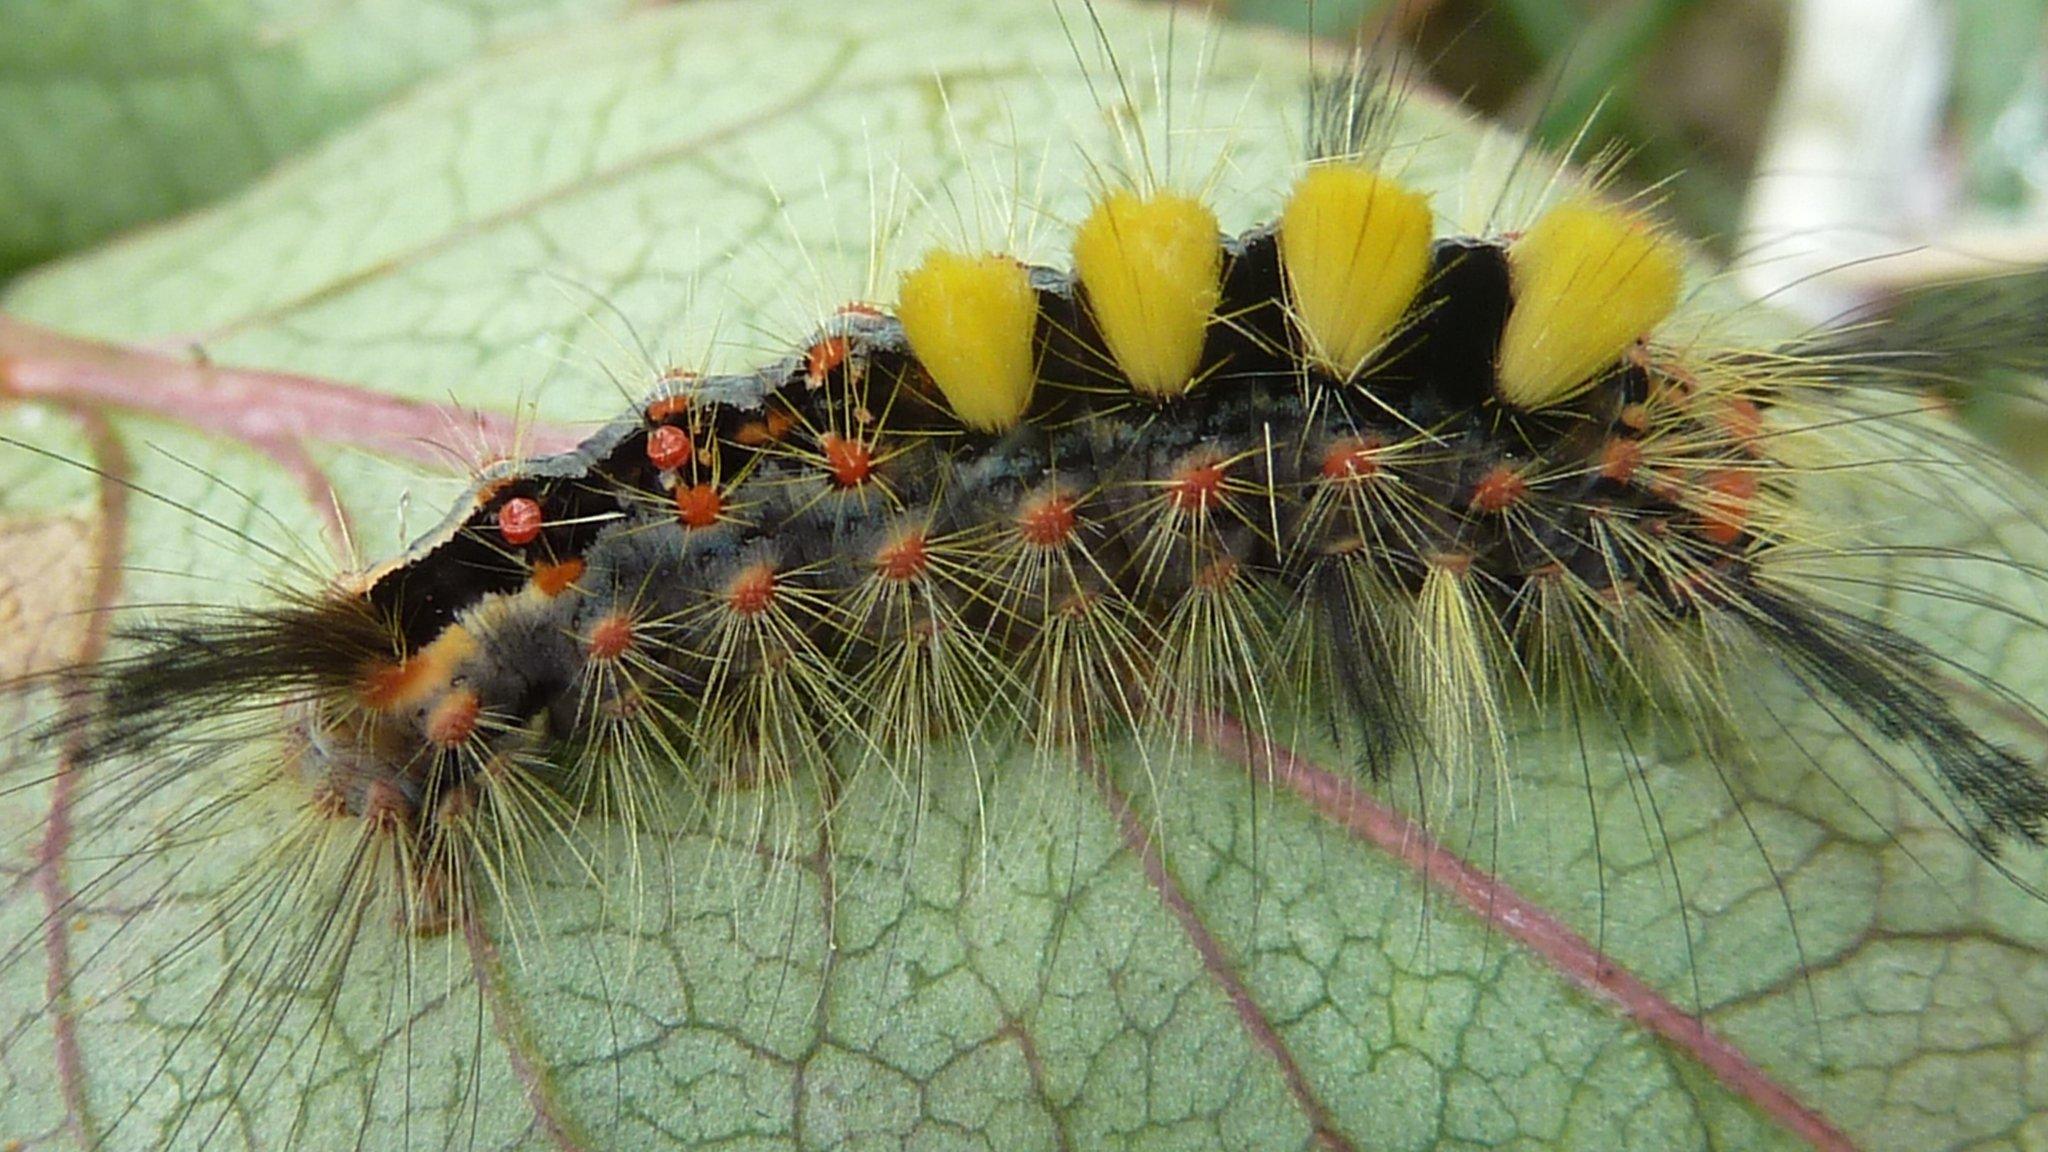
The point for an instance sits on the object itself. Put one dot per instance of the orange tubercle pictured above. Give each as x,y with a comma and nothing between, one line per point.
1619,459
673,405
848,461
769,429
752,592
699,505
551,580
824,358
1724,513
385,806
1196,487
1351,458
1499,490
610,638
1047,521
453,720
903,559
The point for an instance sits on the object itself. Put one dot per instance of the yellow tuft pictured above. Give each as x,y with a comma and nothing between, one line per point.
1589,280
1152,268
970,319
1355,247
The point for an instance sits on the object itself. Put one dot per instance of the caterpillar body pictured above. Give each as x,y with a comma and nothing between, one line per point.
1345,482
742,567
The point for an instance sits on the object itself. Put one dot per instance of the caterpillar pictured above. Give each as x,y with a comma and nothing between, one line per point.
888,667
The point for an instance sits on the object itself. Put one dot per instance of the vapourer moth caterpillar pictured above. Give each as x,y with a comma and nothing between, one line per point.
1109,617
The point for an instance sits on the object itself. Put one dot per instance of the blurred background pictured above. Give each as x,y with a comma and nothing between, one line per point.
1833,149
1918,123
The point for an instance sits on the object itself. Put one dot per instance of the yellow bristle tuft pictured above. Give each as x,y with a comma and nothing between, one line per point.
1354,246
970,320
1152,267
1589,280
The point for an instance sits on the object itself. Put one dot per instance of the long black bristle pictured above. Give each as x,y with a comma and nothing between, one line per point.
229,660
1888,680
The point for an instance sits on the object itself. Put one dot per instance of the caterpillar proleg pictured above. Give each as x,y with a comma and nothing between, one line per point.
1344,635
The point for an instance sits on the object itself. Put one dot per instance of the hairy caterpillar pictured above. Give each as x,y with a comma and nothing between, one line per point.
398,824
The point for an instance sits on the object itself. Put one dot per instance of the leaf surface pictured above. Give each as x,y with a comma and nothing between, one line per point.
1144,955
117,112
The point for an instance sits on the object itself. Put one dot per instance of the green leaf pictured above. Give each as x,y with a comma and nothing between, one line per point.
1169,954
117,112
1996,96
1332,21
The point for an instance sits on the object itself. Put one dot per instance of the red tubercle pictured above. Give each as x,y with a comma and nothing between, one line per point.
1352,458
453,719
848,461
610,638
904,559
1047,520
1196,487
669,447
1500,489
520,520
386,807
752,592
824,358
1620,457
667,407
699,505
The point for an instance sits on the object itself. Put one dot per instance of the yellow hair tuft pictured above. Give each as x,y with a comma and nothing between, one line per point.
1355,247
1589,280
970,321
1152,268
